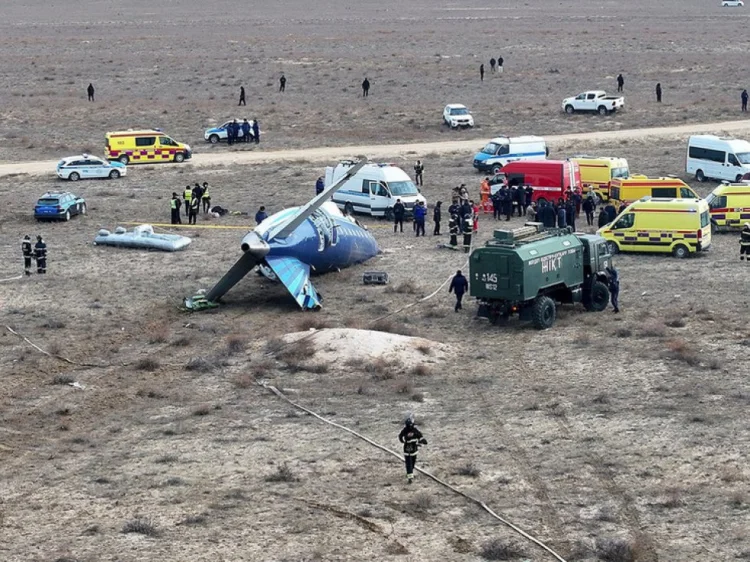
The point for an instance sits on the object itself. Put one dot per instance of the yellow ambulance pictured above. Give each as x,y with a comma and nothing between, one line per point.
636,187
677,226
145,147
729,205
598,172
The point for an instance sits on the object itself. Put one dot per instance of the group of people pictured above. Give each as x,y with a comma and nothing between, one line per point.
508,201
419,216
36,252
194,197
241,132
495,65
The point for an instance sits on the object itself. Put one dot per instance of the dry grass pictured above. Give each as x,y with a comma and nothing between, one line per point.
158,332
679,350
235,344
468,469
140,526
296,352
499,549
202,410
147,364
199,365
653,330
619,550
381,369
408,287
312,322
63,379
421,370
403,386
283,474
422,502
393,327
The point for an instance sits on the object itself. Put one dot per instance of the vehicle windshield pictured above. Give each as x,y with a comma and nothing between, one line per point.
743,157
459,111
704,219
48,202
402,188
491,148
620,173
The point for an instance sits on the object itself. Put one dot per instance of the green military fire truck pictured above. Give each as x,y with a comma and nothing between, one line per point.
528,270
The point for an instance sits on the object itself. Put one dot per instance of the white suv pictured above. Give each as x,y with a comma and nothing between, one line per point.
732,3
456,115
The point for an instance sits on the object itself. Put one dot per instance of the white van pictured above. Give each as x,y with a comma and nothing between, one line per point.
720,158
501,150
373,190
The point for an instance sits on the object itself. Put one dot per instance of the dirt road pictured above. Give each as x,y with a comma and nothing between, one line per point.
332,153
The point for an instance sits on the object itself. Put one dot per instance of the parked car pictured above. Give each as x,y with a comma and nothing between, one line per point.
595,100
456,115
218,134
59,205
732,3
75,168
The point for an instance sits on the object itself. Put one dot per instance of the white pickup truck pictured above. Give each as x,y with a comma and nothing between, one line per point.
595,100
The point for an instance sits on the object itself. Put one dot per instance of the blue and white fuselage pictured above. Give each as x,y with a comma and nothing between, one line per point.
326,241
292,243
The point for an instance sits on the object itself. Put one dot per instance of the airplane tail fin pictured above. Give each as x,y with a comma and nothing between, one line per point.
285,229
295,276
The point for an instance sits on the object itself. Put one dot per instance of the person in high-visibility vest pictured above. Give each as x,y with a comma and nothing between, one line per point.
187,195
174,205
484,193
206,197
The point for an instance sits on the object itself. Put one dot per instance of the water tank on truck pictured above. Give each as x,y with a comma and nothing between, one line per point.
529,270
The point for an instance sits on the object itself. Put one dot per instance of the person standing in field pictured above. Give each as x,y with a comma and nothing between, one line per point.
459,286
620,83
365,87
658,92
174,206
418,172
743,97
500,64
412,438
242,96
481,72
90,91
492,65
282,83
27,254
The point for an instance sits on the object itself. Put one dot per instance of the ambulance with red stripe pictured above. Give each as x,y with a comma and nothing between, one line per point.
729,206
145,147
680,227
628,190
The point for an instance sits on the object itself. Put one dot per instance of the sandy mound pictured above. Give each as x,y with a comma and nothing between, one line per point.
339,344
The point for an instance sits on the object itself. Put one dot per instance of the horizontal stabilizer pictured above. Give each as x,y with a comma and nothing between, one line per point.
295,276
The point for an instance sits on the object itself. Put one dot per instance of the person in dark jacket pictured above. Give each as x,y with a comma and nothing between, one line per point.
459,286
174,205
570,214
242,96
603,218
528,196
282,83
743,97
256,131
419,173
548,215
27,253
611,211
467,226
578,200
319,186
365,87
420,214
620,83
492,64
245,130
398,215
481,72
453,228
232,132
40,254
466,210
745,242
261,215
497,204
412,438
588,209
623,206
507,201
614,287
561,217
436,216
90,91
500,62
658,92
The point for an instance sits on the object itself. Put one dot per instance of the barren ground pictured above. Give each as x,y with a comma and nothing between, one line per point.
629,427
